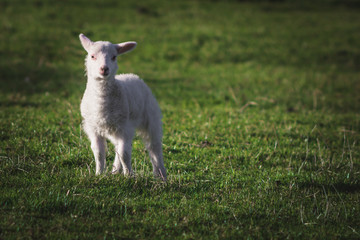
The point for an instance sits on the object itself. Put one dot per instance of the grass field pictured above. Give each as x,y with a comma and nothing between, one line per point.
261,112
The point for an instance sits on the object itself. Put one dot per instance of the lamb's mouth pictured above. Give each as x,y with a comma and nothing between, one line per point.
102,77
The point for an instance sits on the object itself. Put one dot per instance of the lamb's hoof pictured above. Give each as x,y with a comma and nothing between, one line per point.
115,171
129,174
161,175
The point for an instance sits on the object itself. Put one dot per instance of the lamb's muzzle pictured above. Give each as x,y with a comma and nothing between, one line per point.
104,70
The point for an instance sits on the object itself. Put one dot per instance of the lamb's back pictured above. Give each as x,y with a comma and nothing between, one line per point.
138,94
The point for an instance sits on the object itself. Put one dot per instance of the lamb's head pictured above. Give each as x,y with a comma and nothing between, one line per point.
101,61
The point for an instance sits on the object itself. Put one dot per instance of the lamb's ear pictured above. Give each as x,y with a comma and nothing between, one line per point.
85,42
125,47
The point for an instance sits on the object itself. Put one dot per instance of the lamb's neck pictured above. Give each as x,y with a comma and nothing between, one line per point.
100,88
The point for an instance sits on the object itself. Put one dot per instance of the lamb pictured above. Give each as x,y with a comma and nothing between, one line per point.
114,106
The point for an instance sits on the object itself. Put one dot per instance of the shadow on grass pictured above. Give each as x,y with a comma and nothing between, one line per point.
336,187
24,79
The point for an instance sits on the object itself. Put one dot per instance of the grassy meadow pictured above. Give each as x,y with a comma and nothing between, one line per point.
261,113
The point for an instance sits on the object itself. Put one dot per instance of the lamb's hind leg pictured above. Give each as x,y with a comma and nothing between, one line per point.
154,147
98,146
123,154
117,164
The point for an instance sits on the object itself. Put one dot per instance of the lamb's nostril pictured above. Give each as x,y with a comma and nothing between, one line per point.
104,70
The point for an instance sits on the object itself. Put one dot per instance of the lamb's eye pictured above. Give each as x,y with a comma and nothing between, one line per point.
93,57
113,58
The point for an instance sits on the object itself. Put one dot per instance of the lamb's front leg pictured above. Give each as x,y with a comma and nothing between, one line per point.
98,146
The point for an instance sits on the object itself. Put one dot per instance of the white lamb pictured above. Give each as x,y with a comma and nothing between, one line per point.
113,106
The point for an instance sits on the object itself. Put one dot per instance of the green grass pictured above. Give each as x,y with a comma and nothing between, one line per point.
261,117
